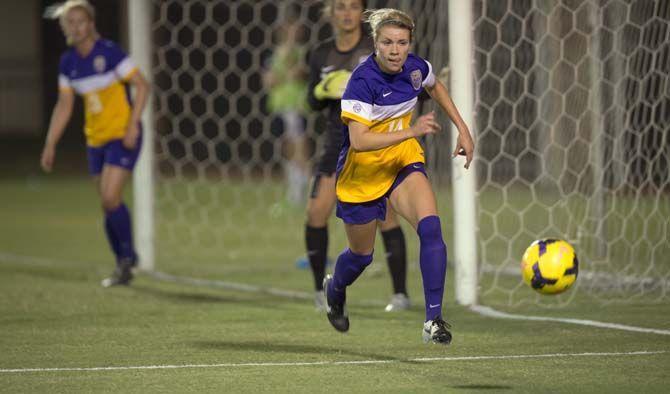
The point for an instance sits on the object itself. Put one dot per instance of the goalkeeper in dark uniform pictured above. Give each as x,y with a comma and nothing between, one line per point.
330,65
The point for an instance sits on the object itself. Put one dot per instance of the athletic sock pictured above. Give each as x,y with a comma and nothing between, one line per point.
119,220
316,240
111,238
433,262
348,268
396,257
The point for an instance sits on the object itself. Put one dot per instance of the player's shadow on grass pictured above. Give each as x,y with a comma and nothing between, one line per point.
269,347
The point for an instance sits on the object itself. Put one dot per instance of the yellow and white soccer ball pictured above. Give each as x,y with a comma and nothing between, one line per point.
550,266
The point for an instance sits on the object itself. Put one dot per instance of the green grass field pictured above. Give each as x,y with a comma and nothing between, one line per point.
158,336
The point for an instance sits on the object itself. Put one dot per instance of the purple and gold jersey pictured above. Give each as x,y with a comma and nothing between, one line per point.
384,103
99,78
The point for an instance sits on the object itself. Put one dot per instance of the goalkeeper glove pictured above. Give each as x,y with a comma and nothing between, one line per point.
332,85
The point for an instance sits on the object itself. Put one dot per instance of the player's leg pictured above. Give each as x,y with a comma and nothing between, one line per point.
96,160
296,152
112,183
349,266
116,172
414,200
396,258
360,224
319,208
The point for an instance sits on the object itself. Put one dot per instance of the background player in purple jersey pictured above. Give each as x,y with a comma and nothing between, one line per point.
331,64
381,160
101,73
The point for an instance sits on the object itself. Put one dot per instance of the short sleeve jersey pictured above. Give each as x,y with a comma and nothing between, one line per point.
385,103
99,78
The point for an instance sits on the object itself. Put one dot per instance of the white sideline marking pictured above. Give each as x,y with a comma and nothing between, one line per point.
600,279
334,363
229,285
482,310
220,284
27,260
490,312
245,287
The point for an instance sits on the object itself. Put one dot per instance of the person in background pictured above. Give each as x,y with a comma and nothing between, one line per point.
285,81
102,73
330,66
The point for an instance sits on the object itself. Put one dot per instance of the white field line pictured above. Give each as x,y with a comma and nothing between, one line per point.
600,279
212,283
334,363
220,284
482,310
490,312
31,260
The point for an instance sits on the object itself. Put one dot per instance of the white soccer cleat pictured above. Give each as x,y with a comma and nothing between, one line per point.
399,302
320,301
436,331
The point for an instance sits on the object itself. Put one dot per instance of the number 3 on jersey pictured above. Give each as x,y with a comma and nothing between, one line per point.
93,103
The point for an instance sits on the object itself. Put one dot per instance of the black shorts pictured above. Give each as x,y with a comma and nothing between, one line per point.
330,152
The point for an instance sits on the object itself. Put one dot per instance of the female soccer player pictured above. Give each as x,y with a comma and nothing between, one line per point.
330,66
100,72
381,160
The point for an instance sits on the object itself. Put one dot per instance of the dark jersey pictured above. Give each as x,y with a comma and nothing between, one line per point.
326,58
323,59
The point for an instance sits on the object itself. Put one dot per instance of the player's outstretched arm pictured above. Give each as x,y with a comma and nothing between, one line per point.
464,143
141,88
362,139
59,117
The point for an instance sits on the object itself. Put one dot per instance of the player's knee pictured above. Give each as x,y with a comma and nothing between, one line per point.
360,259
110,202
316,217
362,250
430,231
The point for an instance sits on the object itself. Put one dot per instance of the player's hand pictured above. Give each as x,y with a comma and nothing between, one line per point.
130,139
425,124
332,85
464,146
47,158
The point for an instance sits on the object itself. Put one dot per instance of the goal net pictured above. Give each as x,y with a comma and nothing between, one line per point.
572,111
572,106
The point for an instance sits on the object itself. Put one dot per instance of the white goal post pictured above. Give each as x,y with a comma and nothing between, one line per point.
139,26
463,181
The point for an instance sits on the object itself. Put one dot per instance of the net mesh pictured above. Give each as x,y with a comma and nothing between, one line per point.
221,161
573,103
572,107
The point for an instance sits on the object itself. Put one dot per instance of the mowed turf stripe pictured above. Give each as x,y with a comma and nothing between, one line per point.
490,312
335,363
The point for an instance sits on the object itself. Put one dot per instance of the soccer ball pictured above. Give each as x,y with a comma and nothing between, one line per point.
550,266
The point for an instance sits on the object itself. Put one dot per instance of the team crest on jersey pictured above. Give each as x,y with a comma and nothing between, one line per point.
357,108
416,79
99,63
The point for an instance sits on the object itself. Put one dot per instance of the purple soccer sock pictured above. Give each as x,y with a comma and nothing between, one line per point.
433,262
111,237
119,222
349,266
